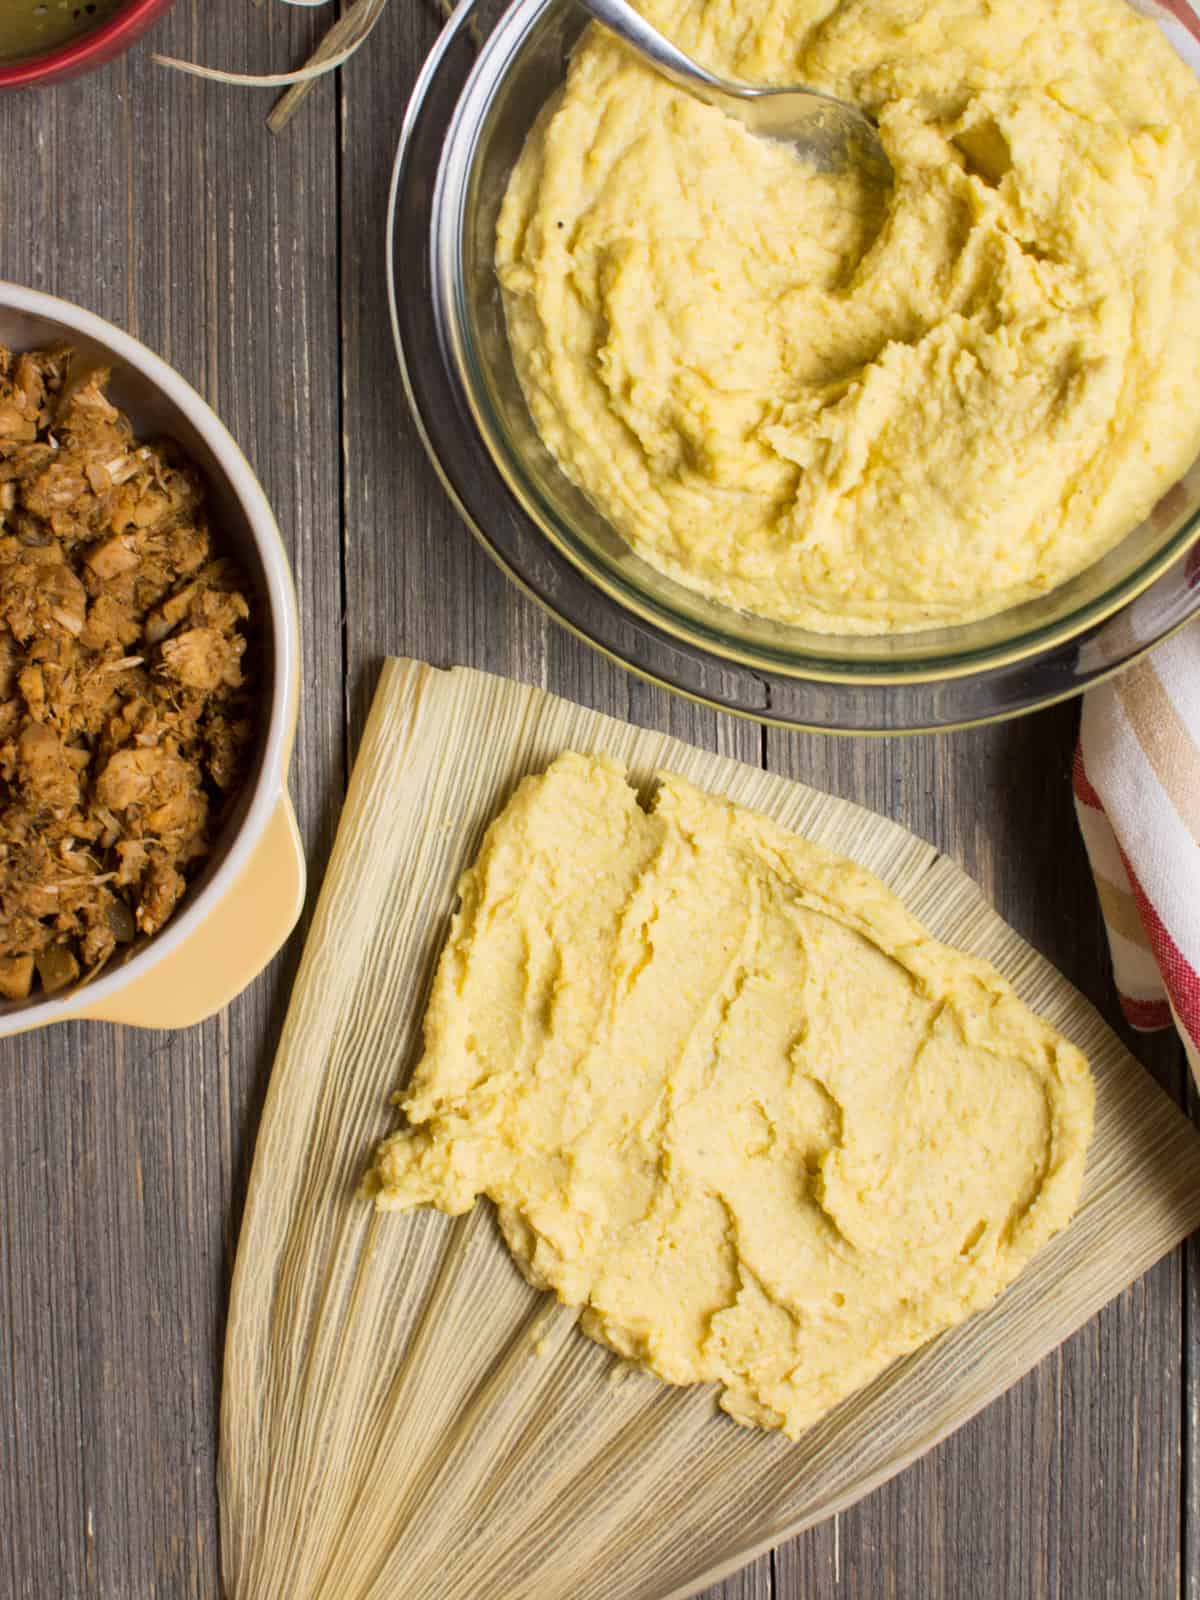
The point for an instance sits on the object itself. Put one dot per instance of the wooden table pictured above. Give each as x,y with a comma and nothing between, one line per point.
255,265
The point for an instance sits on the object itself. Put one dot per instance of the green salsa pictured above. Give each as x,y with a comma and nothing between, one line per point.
28,27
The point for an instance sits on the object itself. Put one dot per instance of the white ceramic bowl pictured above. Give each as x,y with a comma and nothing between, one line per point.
245,903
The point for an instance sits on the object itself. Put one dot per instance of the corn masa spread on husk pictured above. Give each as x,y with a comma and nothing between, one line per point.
729,1096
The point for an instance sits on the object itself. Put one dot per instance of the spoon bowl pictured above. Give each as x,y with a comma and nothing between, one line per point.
827,132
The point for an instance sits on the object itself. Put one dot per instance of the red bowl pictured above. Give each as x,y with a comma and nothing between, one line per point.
102,43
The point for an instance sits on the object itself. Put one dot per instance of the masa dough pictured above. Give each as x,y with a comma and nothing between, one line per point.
729,1096
856,411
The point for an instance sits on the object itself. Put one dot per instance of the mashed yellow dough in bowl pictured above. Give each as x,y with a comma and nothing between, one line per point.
858,410
730,1098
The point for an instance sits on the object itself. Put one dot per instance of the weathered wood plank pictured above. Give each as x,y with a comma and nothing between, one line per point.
810,1568
754,1582
166,206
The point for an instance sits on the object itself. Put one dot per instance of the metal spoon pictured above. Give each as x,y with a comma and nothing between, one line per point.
829,132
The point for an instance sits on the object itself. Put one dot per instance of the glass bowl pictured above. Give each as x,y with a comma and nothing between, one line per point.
484,83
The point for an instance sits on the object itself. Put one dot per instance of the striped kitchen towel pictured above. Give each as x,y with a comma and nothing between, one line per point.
1137,795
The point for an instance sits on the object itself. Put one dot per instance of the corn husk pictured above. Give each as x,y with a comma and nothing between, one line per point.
341,42
402,1414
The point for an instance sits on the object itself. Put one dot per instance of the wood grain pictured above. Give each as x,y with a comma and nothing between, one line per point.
171,210
255,266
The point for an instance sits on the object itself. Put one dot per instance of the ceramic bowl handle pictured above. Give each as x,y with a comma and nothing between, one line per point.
232,946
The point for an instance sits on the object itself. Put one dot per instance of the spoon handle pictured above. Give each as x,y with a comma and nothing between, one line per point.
619,17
